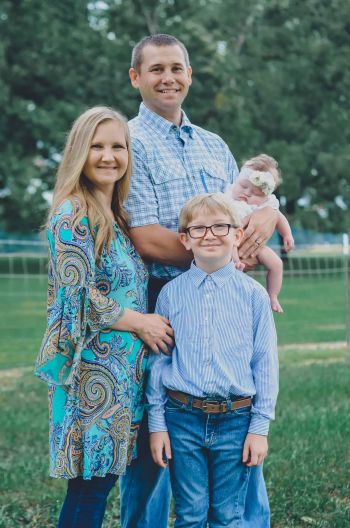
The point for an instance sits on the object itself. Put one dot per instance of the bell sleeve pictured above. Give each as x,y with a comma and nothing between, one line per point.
77,310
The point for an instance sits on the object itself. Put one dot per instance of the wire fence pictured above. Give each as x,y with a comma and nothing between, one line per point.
319,264
27,257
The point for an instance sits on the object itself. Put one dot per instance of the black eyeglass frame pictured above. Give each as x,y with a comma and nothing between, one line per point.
188,230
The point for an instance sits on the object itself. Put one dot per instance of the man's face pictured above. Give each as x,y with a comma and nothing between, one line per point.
163,79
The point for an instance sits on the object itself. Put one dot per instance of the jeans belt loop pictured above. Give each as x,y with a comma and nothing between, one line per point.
190,402
229,404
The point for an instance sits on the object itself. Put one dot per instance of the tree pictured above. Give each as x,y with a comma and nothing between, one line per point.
269,76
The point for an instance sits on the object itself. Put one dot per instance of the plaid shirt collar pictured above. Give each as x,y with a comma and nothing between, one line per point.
163,126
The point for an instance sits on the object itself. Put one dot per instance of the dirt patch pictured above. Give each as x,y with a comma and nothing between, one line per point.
335,345
10,377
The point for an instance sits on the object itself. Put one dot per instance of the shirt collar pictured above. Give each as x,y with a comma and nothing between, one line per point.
219,277
163,126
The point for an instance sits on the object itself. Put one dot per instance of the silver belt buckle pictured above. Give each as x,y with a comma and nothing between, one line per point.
211,402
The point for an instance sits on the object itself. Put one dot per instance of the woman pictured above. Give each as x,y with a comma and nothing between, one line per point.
93,353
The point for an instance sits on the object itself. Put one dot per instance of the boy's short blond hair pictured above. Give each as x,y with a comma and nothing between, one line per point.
212,202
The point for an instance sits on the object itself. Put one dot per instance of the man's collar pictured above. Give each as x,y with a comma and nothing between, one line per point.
219,277
163,126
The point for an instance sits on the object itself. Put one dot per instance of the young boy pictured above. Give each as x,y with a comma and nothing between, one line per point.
211,401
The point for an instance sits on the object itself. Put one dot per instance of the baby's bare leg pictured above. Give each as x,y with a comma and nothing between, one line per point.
274,265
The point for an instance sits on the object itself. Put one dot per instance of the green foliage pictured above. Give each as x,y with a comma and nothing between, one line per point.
269,75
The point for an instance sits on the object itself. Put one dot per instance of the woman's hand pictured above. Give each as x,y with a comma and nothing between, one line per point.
258,228
152,329
156,332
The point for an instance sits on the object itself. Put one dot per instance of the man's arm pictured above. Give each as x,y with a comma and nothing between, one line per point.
152,241
159,244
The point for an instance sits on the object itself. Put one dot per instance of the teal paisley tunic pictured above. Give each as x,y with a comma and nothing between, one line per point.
94,373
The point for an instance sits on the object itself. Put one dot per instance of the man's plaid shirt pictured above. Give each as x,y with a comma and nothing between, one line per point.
172,164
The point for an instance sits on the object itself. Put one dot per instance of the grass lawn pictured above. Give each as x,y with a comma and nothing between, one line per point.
307,471
314,311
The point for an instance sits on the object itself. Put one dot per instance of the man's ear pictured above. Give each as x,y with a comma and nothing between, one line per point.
134,77
189,73
184,240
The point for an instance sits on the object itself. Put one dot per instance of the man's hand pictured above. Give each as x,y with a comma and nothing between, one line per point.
254,450
258,228
160,446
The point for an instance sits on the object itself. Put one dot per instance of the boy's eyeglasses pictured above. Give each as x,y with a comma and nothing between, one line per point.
216,229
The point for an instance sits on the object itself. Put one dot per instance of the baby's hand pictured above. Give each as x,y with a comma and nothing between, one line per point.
288,243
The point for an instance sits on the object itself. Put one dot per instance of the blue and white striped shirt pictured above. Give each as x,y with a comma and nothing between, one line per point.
225,344
172,164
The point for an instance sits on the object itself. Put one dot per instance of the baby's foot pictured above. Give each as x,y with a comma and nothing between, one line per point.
239,265
275,305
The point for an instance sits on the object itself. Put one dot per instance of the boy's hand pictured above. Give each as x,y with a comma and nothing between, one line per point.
254,450
160,446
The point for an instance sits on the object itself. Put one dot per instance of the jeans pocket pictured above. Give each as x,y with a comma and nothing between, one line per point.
174,405
243,411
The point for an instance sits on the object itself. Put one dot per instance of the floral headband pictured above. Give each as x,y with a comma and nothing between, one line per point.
264,180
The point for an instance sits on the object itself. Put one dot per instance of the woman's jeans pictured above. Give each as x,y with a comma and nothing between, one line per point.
85,502
208,478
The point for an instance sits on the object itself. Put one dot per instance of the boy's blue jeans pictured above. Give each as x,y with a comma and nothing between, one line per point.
209,480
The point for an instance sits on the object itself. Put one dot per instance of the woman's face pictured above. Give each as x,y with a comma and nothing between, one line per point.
108,156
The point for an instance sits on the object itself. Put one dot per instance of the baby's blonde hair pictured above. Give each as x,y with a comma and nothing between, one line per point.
211,203
265,163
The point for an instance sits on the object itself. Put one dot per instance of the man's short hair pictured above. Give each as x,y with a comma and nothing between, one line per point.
161,39
212,203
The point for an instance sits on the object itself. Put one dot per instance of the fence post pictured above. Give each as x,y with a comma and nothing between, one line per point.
346,253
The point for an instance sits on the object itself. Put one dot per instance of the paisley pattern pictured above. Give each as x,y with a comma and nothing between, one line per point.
94,374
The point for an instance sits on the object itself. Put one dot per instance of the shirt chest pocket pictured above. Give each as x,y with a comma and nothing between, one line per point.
173,189
214,177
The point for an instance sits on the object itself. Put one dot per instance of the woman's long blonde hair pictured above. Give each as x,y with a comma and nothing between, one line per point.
71,182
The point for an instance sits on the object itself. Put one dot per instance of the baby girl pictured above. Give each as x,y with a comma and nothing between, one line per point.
253,190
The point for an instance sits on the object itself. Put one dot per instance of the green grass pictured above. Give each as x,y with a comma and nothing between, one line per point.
307,470
308,467
314,311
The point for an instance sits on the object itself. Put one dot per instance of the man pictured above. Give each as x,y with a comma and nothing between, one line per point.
173,161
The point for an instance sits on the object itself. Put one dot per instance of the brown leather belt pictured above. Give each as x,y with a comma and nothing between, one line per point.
210,406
